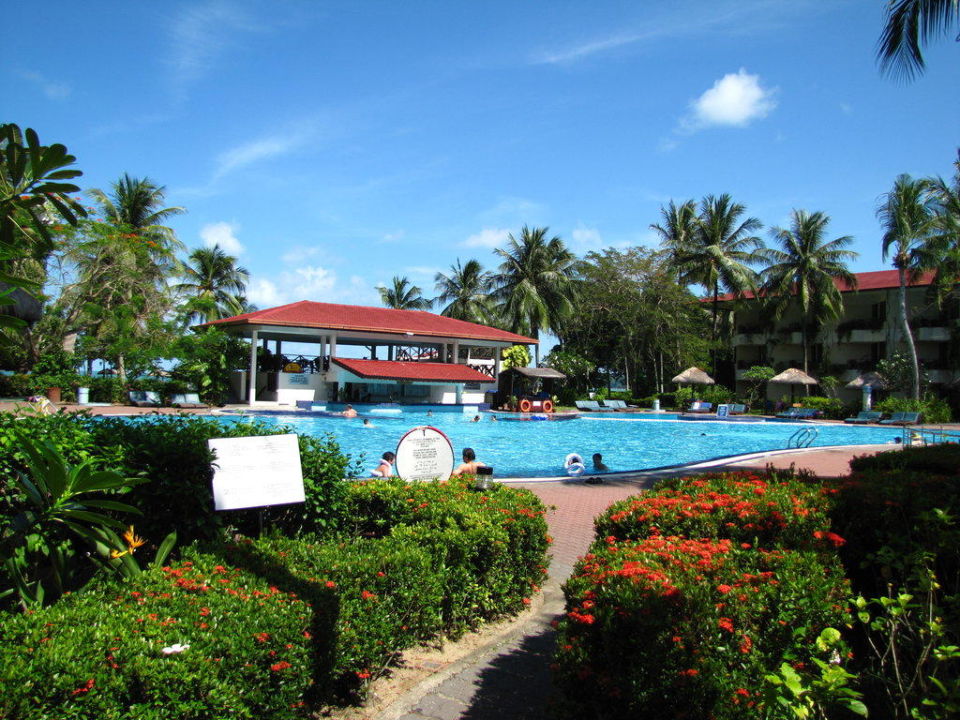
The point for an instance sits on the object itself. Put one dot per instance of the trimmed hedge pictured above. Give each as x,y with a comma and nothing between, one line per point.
694,592
670,627
278,626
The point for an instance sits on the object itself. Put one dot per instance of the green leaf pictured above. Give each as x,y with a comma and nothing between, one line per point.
858,707
112,505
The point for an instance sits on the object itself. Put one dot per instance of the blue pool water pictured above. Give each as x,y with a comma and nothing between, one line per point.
535,449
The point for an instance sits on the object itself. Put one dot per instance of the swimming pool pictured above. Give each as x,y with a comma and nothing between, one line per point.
537,449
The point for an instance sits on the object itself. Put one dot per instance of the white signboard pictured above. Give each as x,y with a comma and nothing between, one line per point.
424,453
723,410
256,471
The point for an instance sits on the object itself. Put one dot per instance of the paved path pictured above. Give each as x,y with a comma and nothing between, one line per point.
509,679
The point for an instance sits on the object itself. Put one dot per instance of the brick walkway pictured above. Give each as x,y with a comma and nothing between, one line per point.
510,678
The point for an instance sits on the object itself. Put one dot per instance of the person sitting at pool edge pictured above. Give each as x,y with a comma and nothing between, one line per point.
598,465
470,463
349,412
385,468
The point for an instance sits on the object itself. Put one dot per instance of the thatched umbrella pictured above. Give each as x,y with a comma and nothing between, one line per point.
868,378
693,376
791,377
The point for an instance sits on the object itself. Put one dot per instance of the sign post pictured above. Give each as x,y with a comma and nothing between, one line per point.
424,453
256,471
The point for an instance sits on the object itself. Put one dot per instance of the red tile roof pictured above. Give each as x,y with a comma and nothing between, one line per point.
392,370
876,280
309,314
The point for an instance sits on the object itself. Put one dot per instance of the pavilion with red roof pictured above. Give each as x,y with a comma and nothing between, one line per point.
410,355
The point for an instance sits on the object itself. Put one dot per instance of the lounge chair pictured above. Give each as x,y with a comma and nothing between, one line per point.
613,405
864,416
698,406
144,398
902,418
737,409
790,414
187,400
588,405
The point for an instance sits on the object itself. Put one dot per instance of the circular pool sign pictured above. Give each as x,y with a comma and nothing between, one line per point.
424,453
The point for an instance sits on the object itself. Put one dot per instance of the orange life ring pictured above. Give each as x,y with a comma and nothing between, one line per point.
525,405
548,406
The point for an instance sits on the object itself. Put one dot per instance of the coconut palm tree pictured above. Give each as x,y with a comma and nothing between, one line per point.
136,203
905,214
941,253
677,232
466,290
214,285
535,286
721,251
404,296
910,24
803,270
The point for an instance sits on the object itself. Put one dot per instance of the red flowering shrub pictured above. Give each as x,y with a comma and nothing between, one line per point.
672,627
767,510
199,639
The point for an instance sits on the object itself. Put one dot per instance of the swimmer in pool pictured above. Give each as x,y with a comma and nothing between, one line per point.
470,463
598,465
367,423
385,468
349,412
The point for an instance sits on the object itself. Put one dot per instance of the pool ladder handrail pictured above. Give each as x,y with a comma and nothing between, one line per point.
803,438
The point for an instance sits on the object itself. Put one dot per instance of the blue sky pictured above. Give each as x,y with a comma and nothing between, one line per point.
333,145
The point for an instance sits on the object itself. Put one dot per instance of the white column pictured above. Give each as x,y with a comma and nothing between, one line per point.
456,351
252,391
323,350
333,345
497,351
459,390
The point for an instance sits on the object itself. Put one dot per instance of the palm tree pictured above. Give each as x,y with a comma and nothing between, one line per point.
677,232
911,23
906,218
466,290
403,296
721,251
803,272
214,284
136,203
941,253
535,283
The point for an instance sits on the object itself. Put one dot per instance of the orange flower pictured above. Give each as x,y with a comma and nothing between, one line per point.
133,542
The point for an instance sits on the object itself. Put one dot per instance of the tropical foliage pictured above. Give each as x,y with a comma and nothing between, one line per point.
911,24
465,293
213,285
402,295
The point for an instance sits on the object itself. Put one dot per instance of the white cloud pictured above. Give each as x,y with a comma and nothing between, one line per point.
584,238
315,283
52,89
298,254
255,151
222,234
200,33
583,50
422,271
487,238
735,100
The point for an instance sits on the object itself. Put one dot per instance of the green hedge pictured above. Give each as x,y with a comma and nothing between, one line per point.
941,459
279,622
695,592
667,627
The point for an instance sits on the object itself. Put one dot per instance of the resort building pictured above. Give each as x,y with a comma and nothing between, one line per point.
868,331
408,356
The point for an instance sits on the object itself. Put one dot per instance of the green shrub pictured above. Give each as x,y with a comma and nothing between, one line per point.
831,408
15,386
99,654
940,459
106,389
765,510
666,627
934,409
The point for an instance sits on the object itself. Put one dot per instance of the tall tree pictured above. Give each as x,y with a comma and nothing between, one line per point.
802,272
721,251
677,232
535,286
941,253
138,204
905,214
466,293
910,24
213,283
403,296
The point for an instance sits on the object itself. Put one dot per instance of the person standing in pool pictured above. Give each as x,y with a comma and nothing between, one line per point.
349,412
598,465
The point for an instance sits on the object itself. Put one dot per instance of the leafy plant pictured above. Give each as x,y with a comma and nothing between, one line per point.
60,497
